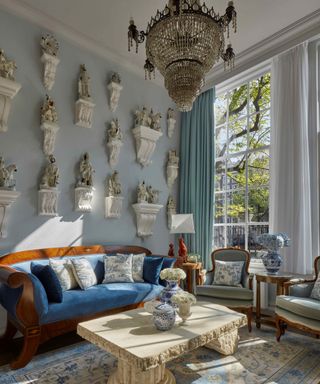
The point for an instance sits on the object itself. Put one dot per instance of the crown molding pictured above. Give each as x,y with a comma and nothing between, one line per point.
77,38
295,33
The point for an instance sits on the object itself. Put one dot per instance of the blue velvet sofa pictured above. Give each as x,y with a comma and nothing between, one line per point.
28,310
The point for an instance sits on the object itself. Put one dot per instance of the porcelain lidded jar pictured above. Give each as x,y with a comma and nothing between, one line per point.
164,317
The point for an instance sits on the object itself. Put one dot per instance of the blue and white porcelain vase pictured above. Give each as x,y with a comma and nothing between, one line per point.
171,289
164,317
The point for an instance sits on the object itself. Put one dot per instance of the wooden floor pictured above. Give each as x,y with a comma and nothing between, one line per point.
12,349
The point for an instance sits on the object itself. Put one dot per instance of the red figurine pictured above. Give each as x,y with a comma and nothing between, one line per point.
171,250
183,251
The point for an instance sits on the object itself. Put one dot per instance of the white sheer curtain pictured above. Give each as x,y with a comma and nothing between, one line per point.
291,195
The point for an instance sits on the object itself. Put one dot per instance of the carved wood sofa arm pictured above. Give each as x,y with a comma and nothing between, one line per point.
25,308
293,282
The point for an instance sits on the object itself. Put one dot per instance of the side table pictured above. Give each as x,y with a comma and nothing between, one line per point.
279,280
190,269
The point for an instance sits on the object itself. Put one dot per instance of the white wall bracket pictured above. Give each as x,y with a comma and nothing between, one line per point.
8,90
172,174
50,63
146,217
83,197
48,202
146,139
7,198
113,207
49,139
114,147
171,126
84,113
114,90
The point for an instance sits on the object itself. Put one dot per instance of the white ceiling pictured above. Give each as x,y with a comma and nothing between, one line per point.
105,22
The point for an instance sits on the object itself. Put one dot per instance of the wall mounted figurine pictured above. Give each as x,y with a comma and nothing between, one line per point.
48,191
113,200
115,89
114,142
84,187
147,131
84,105
49,126
146,209
172,168
49,46
8,88
171,121
171,210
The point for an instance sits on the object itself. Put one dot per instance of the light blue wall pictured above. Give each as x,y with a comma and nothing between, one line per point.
22,144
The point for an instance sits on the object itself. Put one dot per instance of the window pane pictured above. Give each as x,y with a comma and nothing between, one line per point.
219,237
220,176
254,232
238,102
259,135
236,172
220,109
219,208
221,140
258,168
237,136
260,94
258,205
236,207
236,236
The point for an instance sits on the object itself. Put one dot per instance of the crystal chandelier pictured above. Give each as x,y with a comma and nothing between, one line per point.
183,42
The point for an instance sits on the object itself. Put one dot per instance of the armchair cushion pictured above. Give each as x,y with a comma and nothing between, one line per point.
228,273
305,307
225,292
315,294
303,289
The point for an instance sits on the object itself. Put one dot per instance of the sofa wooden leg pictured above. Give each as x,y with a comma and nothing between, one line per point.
9,333
249,317
279,328
30,345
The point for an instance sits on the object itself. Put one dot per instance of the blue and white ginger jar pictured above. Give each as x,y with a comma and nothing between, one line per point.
164,317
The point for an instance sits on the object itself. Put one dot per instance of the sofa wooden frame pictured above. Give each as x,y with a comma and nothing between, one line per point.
27,321
281,322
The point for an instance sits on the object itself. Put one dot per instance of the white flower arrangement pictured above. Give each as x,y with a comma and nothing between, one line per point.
183,298
173,274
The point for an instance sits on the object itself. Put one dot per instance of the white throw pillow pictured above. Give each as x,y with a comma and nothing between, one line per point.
118,269
315,293
137,266
228,273
84,273
64,272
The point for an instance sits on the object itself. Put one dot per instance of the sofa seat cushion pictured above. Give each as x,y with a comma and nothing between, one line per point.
225,292
99,298
302,306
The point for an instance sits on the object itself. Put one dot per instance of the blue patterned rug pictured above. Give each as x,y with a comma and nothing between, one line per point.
259,359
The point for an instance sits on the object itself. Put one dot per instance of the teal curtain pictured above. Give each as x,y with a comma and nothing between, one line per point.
197,173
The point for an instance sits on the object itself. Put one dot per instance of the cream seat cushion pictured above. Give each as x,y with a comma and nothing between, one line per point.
302,306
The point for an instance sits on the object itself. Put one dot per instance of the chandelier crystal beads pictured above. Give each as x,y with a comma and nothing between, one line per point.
183,42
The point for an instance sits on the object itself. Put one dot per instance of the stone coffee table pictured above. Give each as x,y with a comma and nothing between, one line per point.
142,350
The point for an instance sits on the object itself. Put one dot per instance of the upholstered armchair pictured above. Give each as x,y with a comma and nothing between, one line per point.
296,308
238,298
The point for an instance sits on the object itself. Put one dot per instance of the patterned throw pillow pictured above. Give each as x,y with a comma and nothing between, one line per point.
137,267
315,294
228,273
64,272
118,269
84,273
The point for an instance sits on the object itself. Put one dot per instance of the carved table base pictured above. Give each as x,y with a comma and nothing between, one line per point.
226,344
129,374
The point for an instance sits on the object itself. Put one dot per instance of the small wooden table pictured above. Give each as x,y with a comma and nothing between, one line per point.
142,350
279,280
190,269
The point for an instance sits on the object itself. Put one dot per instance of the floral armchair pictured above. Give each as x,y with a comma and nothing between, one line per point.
238,297
296,308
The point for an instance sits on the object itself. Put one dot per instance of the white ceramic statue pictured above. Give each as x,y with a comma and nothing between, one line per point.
114,185
142,193
7,180
7,67
86,172
50,177
115,89
171,121
155,121
172,168
48,111
173,159
142,117
114,131
49,45
84,84
153,195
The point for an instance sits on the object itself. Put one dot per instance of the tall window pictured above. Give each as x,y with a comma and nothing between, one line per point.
242,141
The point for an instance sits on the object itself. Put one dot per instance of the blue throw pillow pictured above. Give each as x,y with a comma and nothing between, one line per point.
151,269
49,280
168,262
